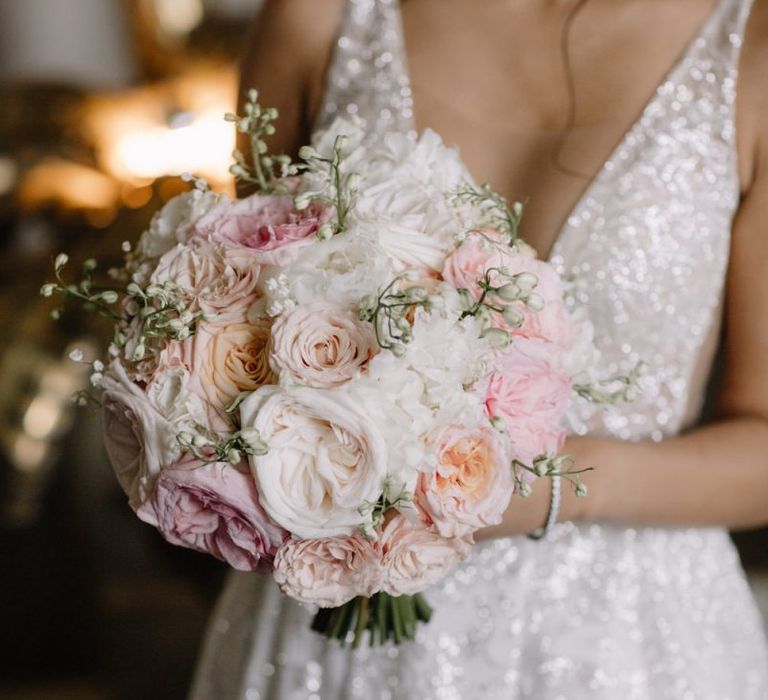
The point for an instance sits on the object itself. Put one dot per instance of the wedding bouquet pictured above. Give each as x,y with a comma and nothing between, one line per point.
340,378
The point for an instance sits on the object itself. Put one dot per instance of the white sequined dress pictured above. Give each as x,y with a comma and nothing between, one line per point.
595,612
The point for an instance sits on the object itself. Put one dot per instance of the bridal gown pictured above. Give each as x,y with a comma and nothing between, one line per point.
595,611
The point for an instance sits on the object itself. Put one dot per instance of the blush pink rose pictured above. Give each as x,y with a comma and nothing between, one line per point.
472,484
220,282
269,226
328,572
530,395
213,508
415,557
487,250
320,345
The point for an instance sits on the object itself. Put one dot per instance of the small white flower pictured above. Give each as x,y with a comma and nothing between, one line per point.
47,290
98,366
76,355
524,489
126,247
535,302
61,260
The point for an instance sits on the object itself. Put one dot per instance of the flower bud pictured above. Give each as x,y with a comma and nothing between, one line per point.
535,302
524,489
325,232
76,355
307,153
513,316
109,297
61,260
498,423
508,292
47,290
398,349
497,337
580,490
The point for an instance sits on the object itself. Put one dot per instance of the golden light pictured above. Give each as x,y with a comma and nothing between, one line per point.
43,417
28,454
178,17
167,129
74,185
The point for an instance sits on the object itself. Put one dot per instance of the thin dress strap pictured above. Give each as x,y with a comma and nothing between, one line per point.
368,76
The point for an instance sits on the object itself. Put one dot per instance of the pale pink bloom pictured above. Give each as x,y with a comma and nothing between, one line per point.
528,391
328,572
415,557
213,508
488,250
472,484
320,345
138,439
268,225
220,282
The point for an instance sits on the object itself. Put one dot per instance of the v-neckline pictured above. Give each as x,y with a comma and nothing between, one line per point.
606,169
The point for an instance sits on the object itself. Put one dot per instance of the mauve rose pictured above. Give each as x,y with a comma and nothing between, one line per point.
472,484
415,557
138,439
328,572
530,394
268,225
486,250
320,345
213,508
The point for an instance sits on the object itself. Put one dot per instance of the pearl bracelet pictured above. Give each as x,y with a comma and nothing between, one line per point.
554,511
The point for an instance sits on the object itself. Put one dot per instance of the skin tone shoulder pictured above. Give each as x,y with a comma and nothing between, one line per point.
712,475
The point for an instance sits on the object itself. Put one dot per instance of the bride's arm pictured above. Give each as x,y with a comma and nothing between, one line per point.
716,474
286,55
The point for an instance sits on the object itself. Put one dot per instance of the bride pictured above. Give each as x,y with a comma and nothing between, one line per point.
635,129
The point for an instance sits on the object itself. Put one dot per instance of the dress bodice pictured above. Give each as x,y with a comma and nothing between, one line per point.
647,243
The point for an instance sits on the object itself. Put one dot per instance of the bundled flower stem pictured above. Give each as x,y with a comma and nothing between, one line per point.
383,616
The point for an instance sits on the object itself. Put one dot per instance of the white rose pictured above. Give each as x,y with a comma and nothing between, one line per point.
169,394
344,269
326,458
320,345
138,438
416,558
171,225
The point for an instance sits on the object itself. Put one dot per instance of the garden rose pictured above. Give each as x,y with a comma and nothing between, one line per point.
529,393
486,250
267,225
415,558
138,439
213,508
222,283
320,345
328,572
472,484
326,458
231,358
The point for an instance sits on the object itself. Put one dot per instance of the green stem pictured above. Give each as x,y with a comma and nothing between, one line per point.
362,619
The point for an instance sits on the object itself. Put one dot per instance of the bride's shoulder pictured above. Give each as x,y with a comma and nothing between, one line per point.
308,22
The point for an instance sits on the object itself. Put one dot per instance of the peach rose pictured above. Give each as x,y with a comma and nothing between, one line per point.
328,572
230,359
415,558
530,394
487,250
320,345
213,508
472,484
269,226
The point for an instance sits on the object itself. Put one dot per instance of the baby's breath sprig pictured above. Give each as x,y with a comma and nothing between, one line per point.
377,510
93,298
560,467
498,292
265,170
389,313
341,185
622,388
162,312
493,209
232,449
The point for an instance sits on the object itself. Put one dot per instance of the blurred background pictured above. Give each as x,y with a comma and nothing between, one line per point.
102,104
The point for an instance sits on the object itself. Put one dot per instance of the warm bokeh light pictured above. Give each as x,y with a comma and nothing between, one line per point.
167,129
70,184
178,17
